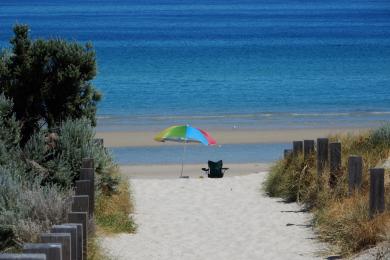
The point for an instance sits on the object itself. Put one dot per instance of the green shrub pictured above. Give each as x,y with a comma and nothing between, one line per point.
29,208
75,142
9,131
380,137
56,157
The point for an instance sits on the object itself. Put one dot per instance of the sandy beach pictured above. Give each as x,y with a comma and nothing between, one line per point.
234,136
227,218
192,170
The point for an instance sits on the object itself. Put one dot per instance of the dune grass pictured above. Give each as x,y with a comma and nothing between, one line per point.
95,251
340,218
113,209
112,214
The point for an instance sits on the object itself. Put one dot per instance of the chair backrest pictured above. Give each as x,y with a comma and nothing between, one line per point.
215,167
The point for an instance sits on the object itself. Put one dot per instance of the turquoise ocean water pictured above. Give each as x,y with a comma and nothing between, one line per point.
219,64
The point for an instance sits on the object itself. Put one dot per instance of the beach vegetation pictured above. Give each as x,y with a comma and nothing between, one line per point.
47,114
113,209
28,208
37,180
49,81
341,218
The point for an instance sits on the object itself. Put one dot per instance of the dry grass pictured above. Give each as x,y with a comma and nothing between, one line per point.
340,218
112,215
113,210
95,251
346,224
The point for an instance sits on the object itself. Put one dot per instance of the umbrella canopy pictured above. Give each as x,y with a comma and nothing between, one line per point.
185,134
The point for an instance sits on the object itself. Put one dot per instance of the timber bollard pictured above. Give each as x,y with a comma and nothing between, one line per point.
52,251
79,238
88,163
322,154
89,174
377,191
72,232
335,163
287,153
81,218
80,203
23,257
60,238
355,172
297,148
308,148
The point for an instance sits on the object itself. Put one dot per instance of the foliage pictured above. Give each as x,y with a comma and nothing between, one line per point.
55,158
112,211
75,142
36,180
380,137
48,80
9,127
47,110
346,224
29,208
341,218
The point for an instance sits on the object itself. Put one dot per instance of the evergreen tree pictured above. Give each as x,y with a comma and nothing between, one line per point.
48,80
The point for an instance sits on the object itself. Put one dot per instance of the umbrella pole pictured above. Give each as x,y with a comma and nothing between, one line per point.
182,159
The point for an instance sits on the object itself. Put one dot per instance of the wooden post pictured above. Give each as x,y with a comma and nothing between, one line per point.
72,232
377,191
89,174
79,238
80,203
61,238
322,154
355,172
52,251
335,163
297,148
287,153
83,187
88,163
81,218
308,148
22,257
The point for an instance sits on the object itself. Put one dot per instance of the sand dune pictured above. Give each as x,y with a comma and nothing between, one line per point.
213,219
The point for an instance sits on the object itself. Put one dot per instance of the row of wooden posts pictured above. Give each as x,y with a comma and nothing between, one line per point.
329,155
67,241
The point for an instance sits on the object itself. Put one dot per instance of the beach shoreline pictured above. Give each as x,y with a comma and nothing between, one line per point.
171,171
115,139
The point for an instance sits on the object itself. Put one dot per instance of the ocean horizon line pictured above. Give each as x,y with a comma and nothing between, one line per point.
243,115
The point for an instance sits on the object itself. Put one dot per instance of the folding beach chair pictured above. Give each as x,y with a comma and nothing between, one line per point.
215,169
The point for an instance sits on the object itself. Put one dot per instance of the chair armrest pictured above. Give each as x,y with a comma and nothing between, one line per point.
205,169
225,169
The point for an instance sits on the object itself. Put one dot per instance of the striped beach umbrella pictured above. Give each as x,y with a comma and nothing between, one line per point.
185,134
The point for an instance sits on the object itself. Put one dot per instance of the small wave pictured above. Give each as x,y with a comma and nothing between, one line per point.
380,113
103,117
320,114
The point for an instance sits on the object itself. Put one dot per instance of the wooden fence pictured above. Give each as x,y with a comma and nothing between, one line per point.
67,241
328,156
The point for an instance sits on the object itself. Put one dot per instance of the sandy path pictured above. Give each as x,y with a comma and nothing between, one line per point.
225,218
